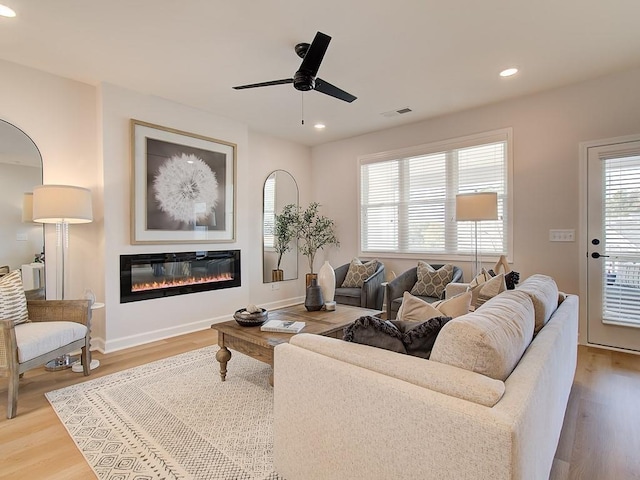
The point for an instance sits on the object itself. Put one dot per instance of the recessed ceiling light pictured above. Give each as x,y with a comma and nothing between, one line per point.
6,11
508,72
320,126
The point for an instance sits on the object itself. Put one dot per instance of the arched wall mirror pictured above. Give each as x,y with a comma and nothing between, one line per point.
280,189
21,240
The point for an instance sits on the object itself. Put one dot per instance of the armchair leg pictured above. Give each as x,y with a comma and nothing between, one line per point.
12,400
86,361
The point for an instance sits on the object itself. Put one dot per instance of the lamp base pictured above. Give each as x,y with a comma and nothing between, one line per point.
61,363
77,367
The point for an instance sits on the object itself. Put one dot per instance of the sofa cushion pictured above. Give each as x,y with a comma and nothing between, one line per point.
544,293
375,332
13,302
432,282
455,306
358,272
491,340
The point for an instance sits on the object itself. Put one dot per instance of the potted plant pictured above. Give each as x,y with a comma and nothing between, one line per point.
314,232
284,232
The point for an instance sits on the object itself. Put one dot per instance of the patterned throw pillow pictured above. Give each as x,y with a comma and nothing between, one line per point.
487,290
13,302
358,272
432,282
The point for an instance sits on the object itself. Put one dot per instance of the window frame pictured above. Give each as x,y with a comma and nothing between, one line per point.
499,135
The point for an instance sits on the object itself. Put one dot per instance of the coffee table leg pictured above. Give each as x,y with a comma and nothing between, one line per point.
223,356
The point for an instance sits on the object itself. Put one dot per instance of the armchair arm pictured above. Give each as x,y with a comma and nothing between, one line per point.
402,283
371,293
341,273
78,311
7,345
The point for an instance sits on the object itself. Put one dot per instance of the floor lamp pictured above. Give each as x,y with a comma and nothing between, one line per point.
476,207
62,205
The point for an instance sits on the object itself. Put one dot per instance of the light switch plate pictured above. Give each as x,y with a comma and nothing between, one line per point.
562,235
21,237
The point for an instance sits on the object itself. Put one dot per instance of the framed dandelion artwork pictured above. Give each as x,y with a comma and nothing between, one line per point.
183,187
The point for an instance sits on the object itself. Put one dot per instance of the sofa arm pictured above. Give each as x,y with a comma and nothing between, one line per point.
353,406
372,295
341,273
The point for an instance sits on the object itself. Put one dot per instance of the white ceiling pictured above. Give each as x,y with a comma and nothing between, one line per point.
434,57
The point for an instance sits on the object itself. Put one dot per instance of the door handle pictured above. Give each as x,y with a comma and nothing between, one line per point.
597,255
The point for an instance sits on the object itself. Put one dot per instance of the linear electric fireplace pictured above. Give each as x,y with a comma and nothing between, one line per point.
157,275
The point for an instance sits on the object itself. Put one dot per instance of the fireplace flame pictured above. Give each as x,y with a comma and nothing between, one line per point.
179,282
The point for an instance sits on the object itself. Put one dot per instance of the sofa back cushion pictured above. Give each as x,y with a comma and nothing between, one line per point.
544,293
491,340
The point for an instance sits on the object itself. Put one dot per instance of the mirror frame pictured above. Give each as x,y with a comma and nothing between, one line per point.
22,228
291,257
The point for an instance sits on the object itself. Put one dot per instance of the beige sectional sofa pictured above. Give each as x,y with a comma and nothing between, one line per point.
479,408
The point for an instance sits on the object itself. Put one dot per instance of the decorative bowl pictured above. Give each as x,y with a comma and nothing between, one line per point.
247,319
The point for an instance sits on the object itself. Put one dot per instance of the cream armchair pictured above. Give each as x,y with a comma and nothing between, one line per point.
54,328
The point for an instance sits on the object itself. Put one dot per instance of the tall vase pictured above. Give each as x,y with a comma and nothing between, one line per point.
327,281
313,300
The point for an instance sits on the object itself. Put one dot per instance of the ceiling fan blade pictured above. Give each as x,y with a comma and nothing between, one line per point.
265,84
325,87
313,58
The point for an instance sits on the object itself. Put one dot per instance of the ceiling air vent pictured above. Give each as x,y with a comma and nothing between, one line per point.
395,113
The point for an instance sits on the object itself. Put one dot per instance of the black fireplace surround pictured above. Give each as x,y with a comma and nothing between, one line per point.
156,275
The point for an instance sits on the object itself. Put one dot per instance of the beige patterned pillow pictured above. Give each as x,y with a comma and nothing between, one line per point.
487,290
13,302
358,272
432,282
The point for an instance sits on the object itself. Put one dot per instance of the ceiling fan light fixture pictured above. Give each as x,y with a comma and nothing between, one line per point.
508,72
7,12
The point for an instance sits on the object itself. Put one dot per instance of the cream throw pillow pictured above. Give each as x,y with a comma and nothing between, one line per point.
13,302
432,282
414,309
358,272
487,290
455,306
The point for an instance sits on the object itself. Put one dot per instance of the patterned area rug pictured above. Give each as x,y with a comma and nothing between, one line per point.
174,419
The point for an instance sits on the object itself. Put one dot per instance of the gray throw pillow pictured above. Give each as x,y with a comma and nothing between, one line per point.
418,339
375,332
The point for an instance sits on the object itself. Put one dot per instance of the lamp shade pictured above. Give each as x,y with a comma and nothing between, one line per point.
62,204
477,206
27,207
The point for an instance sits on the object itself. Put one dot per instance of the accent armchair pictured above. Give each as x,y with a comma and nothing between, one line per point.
54,328
370,295
405,282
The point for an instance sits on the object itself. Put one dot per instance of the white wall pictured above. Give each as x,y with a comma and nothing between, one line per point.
547,130
60,117
257,155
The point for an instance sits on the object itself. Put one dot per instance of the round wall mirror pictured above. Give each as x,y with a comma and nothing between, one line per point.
21,240
280,189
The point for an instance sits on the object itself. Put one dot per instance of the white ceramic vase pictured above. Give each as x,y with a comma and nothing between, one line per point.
327,281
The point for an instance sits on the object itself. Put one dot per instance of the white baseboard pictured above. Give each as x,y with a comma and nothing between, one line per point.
114,345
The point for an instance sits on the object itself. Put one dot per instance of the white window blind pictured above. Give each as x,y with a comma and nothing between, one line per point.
407,198
621,299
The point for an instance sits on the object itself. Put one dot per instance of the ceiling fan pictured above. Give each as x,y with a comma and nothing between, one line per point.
305,78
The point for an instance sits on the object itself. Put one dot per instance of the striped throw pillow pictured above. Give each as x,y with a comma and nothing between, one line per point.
13,302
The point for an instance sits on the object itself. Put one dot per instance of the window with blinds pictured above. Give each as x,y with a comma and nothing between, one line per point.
621,214
407,198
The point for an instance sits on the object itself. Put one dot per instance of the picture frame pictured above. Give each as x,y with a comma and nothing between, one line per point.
182,186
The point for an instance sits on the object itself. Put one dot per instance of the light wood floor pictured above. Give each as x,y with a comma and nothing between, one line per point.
600,439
